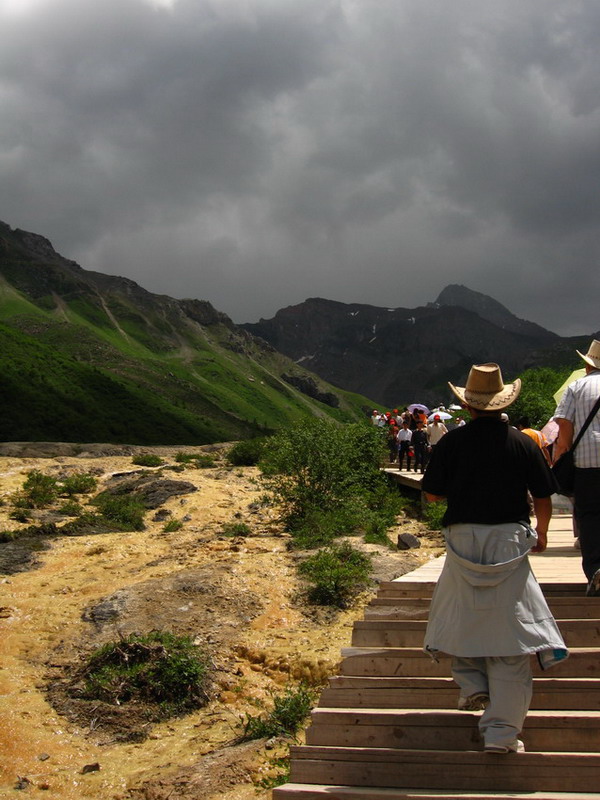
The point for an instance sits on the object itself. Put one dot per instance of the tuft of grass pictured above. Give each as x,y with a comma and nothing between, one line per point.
184,458
236,529
158,668
71,508
337,574
147,460
289,712
279,773
78,483
204,461
172,525
126,512
44,530
20,514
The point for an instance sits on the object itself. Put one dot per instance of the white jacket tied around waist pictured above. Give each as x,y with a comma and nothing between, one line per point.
487,601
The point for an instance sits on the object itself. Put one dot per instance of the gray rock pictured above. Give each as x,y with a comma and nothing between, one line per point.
406,541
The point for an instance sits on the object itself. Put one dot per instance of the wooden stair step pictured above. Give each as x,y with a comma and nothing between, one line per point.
544,731
418,608
312,791
410,633
446,769
407,588
407,662
406,692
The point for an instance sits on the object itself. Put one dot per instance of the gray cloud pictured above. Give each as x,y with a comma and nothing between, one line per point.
256,153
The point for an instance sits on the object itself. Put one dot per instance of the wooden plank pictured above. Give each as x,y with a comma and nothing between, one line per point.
418,608
410,633
304,791
399,692
449,730
470,771
412,662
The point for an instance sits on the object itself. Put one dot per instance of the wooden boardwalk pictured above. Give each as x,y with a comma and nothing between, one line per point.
387,727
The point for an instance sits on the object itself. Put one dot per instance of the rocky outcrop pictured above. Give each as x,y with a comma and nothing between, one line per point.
308,386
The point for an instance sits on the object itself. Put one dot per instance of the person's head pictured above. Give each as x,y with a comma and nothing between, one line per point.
437,419
523,422
405,424
420,425
504,417
592,357
485,393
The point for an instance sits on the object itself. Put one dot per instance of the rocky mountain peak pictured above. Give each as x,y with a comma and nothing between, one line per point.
487,308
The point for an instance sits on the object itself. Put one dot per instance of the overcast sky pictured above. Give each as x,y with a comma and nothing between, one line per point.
254,153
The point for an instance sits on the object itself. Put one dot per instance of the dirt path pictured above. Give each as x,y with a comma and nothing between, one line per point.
237,596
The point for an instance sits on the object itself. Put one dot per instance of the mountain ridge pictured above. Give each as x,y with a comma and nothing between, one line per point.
408,354
92,357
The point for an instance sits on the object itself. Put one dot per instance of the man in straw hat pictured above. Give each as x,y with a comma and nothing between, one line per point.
572,411
488,611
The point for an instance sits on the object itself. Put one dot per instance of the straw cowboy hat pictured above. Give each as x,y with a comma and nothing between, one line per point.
592,357
485,389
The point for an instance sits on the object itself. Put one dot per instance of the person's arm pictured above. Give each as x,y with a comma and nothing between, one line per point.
542,508
565,437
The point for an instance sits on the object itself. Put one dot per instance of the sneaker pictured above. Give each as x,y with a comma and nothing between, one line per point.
474,702
514,747
593,589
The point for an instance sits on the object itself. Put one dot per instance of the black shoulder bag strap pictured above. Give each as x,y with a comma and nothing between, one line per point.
586,424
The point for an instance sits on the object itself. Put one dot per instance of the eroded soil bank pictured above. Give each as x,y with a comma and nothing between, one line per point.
238,597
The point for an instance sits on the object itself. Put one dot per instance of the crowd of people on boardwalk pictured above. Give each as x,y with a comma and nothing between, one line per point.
413,433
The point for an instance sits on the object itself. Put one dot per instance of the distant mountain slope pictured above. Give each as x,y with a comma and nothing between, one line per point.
490,309
401,355
92,357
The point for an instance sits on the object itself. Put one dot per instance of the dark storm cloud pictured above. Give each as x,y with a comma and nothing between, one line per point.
257,152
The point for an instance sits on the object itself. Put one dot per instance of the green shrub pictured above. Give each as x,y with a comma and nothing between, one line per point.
320,466
172,525
70,508
337,573
147,460
79,483
127,512
158,667
20,515
236,529
319,528
247,453
433,513
40,490
290,710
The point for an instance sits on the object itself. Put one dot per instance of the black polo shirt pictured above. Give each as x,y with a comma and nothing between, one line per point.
485,469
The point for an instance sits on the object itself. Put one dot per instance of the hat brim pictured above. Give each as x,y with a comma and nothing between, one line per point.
593,362
486,401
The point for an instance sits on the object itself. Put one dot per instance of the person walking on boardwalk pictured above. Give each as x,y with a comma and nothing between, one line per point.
573,409
488,611
404,438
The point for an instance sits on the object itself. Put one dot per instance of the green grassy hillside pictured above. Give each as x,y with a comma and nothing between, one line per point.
88,357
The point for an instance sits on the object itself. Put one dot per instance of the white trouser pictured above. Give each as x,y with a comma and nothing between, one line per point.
508,682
